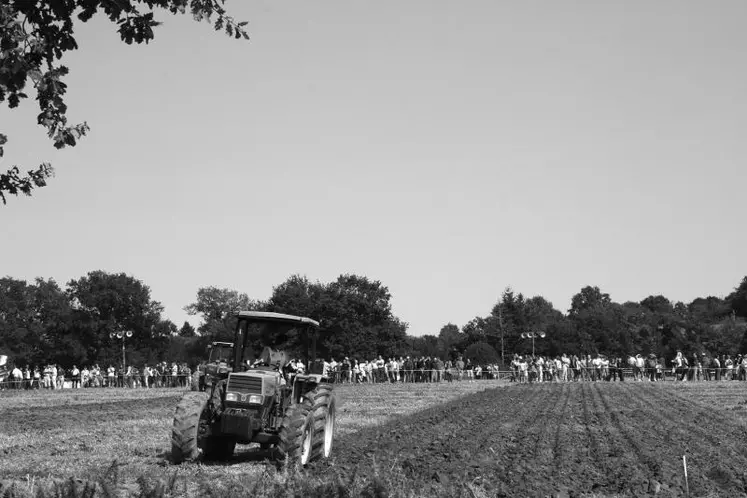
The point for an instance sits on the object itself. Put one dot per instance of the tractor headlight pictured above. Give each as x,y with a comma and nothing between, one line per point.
232,397
255,399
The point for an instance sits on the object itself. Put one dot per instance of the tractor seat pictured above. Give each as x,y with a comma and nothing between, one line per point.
275,359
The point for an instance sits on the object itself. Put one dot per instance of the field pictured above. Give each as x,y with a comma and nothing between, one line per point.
486,438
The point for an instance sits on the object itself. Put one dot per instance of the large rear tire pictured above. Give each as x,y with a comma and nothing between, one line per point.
324,418
186,443
184,446
296,434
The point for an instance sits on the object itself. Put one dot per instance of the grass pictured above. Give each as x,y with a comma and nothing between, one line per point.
48,436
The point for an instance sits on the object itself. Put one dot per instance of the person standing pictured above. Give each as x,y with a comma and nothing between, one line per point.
17,377
680,370
729,364
540,365
75,377
651,367
27,378
597,372
459,367
640,365
146,376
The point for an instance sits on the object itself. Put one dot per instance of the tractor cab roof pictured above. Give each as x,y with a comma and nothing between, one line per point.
267,316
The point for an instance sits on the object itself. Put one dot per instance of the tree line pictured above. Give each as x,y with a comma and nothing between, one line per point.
41,322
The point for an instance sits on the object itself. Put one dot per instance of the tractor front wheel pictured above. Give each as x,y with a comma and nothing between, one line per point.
296,434
324,418
308,429
184,432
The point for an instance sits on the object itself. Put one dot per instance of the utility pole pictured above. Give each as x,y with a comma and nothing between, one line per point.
123,336
500,325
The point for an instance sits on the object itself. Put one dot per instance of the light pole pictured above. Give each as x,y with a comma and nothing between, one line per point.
533,336
122,335
500,325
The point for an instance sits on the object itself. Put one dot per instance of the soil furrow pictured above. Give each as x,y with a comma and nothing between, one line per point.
715,450
570,455
515,461
563,418
628,471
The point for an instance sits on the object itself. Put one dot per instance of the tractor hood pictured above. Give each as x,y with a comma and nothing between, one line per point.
252,387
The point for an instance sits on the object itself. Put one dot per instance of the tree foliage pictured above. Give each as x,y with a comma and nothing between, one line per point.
481,353
41,322
35,36
738,299
216,306
355,313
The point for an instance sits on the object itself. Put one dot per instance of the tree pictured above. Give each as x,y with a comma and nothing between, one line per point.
111,302
658,304
595,320
34,36
451,341
588,298
510,317
32,319
710,309
738,299
187,330
354,313
216,307
481,353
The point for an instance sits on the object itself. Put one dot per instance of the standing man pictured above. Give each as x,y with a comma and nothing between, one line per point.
17,377
459,367
27,377
75,377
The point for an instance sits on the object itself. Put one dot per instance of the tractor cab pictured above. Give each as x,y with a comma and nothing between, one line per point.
218,363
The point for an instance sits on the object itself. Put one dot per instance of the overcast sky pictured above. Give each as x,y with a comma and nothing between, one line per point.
448,149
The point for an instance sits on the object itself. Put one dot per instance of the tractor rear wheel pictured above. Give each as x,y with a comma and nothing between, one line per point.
184,432
323,414
296,434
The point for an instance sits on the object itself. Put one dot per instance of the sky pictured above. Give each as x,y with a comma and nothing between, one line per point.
447,149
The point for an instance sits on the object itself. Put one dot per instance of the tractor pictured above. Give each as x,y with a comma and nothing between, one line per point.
261,398
218,360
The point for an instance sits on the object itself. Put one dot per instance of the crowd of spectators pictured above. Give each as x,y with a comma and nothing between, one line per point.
406,369
521,369
564,368
55,377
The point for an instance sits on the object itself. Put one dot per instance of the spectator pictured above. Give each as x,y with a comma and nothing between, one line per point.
75,377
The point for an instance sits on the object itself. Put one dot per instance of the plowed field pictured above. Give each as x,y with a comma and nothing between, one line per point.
479,439
569,439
